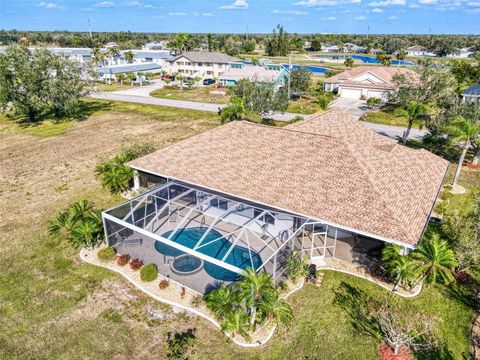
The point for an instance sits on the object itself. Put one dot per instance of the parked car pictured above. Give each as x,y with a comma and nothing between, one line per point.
208,81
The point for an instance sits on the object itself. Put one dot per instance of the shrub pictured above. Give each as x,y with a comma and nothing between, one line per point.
148,272
197,301
123,260
136,264
106,254
163,284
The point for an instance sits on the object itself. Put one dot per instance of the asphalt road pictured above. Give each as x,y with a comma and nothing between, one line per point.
140,95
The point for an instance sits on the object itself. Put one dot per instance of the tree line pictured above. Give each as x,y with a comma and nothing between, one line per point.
245,43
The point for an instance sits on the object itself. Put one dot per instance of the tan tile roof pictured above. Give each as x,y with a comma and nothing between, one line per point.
386,73
207,56
252,72
342,173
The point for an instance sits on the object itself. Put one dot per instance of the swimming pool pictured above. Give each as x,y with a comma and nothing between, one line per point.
366,59
239,256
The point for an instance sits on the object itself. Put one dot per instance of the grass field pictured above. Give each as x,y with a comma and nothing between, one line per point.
386,118
53,306
206,94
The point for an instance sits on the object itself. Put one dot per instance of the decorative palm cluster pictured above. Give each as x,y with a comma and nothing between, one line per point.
252,301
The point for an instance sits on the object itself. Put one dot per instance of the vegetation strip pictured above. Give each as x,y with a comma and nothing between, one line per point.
90,257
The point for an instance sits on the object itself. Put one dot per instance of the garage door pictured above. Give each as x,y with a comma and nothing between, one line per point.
351,93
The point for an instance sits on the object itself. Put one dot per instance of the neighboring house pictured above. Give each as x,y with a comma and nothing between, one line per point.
204,64
353,48
330,48
111,45
155,45
364,82
273,73
462,53
472,93
80,55
418,50
108,72
248,195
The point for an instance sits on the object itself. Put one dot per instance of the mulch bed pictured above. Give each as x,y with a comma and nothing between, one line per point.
386,353
469,165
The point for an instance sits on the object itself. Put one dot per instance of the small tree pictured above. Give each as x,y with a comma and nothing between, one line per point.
400,329
300,80
128,55
374,102
324,99
349,62
234,111
296,267
465,130
414,111
121,78
400,267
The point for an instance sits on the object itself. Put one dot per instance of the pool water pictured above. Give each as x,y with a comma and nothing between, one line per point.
189,237
366,59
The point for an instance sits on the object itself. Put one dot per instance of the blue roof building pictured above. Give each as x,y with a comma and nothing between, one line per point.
472,93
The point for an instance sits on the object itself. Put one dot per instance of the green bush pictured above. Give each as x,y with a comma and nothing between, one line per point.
106,254
148,272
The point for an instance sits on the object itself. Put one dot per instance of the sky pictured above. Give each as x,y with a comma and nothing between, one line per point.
241,16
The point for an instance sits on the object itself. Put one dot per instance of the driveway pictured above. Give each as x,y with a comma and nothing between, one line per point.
144,90
353,107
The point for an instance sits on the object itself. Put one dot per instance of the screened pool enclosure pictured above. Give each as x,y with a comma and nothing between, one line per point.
200,238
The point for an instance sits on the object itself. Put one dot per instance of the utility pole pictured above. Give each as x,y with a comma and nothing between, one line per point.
89,29
246,36
289,75
368,31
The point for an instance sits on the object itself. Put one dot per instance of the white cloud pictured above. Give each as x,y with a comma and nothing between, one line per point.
473,3
392,17
360,17
207,14
427,2
48,5
290,12
238,4
330,18
104,4
177,14
322,3
377,10
473,11
387,3
414,6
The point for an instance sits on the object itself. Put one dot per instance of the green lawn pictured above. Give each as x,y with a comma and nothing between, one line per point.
386,118
206,94
304,106
53,306
113,87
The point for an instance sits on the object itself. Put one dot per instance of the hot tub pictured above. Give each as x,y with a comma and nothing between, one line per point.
186,265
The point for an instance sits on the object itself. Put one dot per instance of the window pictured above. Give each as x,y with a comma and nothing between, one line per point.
219,203
200,64
266,218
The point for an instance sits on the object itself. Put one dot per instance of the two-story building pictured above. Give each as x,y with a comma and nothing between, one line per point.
204,64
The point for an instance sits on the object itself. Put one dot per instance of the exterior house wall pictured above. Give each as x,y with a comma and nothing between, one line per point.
205,70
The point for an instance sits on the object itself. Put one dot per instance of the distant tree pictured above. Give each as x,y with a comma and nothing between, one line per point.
300,80
316,45
443,46
232,47
121,78
278,44
130,76
128,55
182,42
248,46
349,62
210,42
400,55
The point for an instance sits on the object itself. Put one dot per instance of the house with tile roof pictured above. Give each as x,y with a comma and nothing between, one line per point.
247,195
205,64
365,82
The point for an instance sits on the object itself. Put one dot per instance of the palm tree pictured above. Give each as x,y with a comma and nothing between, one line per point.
221,301
130,76
237,321
256,289
113,53
464,129
121,78
435,261
128,55
180,78
234,111
278,311
98,56
114,175
399,267
400,55
348,62
80,224
414,111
